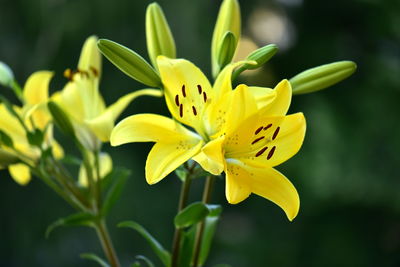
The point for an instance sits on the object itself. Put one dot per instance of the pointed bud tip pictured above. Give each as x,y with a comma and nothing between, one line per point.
6,75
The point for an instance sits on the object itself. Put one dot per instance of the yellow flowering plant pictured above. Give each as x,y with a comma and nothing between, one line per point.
215,130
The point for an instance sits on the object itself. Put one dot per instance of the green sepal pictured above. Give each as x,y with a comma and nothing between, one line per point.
226,50
129,62
259,56
321,77
158,34
158,249
35,137
120,176
94,257
190,215
61,119
5,139
76,219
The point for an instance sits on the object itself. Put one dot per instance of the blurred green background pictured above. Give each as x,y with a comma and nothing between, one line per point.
346,172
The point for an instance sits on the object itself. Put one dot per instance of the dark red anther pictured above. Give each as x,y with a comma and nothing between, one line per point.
258,130
199,88
271,152
194,110
177,100
205,97
94,71
275,133
258,139
183,91
181,110
268,126
259,153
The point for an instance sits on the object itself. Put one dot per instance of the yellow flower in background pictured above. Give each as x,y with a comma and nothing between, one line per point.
192,101
82,101
35,116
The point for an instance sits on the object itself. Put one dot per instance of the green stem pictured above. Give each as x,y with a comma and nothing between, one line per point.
178,232
208,187
106,243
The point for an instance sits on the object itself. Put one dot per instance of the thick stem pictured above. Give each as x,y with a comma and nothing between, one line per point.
208,187
178,232
106,243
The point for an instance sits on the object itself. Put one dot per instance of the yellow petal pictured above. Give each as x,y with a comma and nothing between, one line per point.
36,89
20,173
280,104
103,124
11,126
236,188
149,128
211,157
166,157
90,58
263,96
272,146
105,163
268,183
57,150
187,90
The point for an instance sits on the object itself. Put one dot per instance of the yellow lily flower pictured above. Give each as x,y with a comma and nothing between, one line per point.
253,144
35,116
81,99
192,101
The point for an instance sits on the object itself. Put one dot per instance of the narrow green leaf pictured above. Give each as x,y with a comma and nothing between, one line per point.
321,77
129,62
187,247
162,254
76,219
121,175
145,259
210,226
190,215
136,264
158,34
61,119
94,257
222,265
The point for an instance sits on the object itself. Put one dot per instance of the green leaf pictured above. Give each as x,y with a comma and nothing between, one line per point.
162,254
158,34
5,139
121,175
71,160
145,259
210,226
129,62
190,215
187,247
222,265
76,219
61,120
136,264
94,257
321,77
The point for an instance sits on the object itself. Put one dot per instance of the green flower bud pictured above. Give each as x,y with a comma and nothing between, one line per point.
226,50
6,75
158,34
228,21
129,62
321,77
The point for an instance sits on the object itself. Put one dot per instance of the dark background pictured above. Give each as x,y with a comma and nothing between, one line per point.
346,172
